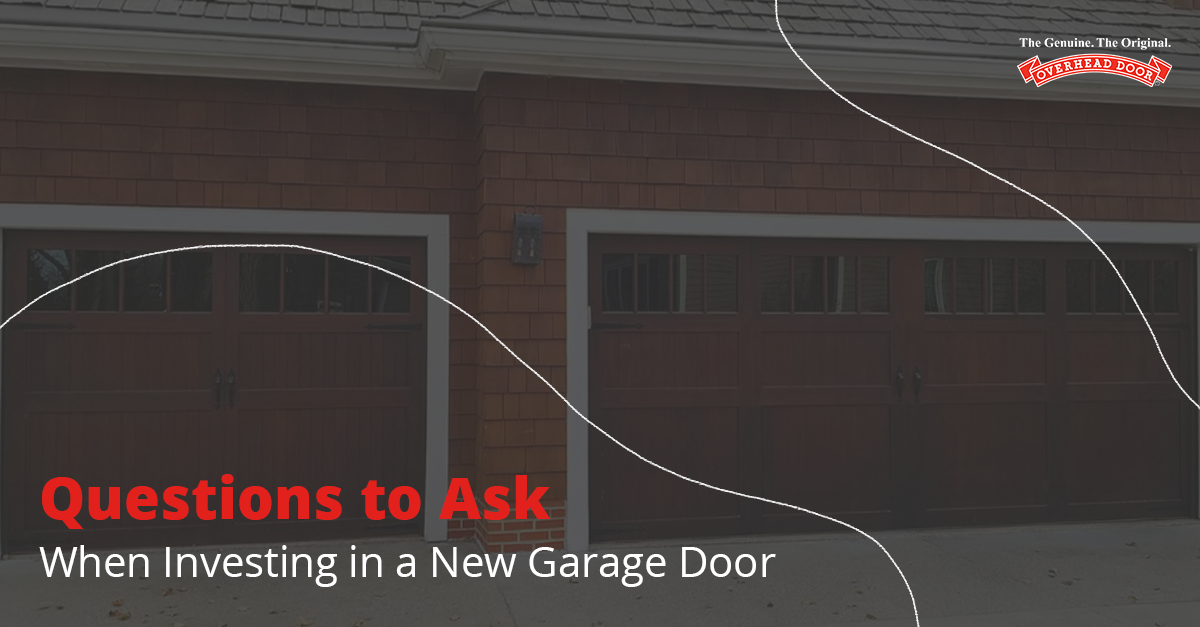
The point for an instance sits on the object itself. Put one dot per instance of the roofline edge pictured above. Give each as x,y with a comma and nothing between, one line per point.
446,56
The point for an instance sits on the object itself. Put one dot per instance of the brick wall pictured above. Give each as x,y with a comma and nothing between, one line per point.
513,536
554,143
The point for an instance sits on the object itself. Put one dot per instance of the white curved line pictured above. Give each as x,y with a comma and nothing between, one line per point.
515,356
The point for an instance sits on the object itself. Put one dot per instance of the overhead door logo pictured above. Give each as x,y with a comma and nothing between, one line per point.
1041,73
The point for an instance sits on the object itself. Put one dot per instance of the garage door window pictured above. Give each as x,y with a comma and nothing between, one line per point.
101,291
191,284
1093,287
808,284
145,286
139,285
974,285
389,294
48,269
669,283
302,283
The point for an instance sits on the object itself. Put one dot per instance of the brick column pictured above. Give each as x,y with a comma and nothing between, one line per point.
521,423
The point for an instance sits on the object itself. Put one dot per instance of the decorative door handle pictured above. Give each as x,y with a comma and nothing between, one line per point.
899,383
232,380
217,390
916,383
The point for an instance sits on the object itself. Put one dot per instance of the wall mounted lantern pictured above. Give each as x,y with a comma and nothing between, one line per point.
527,239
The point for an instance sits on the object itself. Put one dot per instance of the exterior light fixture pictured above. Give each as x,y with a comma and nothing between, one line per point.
527,239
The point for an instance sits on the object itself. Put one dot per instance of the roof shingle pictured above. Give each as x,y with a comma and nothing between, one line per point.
994,22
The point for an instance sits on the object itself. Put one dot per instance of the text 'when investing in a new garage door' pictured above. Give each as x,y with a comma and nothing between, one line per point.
544,562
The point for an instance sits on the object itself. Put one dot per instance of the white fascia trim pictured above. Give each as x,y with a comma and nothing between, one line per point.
213,55
582,223
434,228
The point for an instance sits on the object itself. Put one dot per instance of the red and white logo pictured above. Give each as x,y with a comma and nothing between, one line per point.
1041,73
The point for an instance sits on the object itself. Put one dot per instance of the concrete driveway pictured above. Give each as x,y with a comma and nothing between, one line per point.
1095,575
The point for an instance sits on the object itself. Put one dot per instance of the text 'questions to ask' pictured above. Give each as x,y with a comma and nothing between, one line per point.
631,568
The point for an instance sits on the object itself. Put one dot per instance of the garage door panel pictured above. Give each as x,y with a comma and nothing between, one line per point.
670,397
829,459
307,398
959,357
934,393
162,401
826,358
828,395
978,456
1121,355
116,449
304,360
666,359
79,360
699,442
1125,451
1120,391
314,448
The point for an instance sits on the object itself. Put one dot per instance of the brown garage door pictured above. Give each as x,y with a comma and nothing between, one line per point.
890,384
279,367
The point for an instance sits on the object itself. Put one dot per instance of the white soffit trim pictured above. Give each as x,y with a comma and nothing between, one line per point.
453,54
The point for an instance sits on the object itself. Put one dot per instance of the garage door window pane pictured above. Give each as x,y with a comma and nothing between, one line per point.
688,295
1137,277
653,282
1031,285
721,283
1001,286
191,282
810,284
48,269
303,283
101,291
258,284
617,282
1108,289
968,285
776,283
938,281
841,284
873,286
145,282
1079,286
388,293
347,286
1166,286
